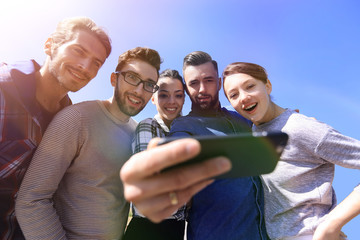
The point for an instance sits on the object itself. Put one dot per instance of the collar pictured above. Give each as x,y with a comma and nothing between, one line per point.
161,123
206,113
23,75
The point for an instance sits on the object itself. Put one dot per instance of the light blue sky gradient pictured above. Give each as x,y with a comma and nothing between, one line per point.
310,49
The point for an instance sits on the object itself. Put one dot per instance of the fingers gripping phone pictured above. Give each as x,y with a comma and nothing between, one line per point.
251,154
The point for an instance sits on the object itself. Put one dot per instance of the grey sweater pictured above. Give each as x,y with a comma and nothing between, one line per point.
299,193
72,189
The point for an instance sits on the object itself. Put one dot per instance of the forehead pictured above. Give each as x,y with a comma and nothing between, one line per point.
145,70
236,80
90,43
201,71
167,83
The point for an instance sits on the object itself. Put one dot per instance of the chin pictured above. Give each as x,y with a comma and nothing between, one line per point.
205,107
170,117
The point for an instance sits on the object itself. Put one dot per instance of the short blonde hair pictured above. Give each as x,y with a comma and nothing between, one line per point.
66,28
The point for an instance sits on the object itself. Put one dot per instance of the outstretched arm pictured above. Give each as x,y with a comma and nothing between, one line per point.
349,208
157,195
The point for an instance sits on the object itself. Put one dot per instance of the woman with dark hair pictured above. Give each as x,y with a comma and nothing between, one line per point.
169,100
300,203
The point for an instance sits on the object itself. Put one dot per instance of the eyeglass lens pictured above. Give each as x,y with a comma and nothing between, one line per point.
135,81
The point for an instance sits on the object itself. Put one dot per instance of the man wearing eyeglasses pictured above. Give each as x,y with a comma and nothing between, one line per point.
72,188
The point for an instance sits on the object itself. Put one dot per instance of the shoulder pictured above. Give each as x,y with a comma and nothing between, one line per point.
6,80
357,188
305,123
231,113
4,72
236,116
77,110
144,125
17,69
183,120
146,121
133,123
82,106
18,78
187,121
149,122
306,130
186,125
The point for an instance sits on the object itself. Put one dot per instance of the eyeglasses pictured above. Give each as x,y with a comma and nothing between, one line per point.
132,79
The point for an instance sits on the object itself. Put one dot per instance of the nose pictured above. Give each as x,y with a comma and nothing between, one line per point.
202,87
85,64
171,99
244,97
139,89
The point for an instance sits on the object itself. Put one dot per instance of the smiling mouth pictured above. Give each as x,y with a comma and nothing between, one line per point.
77,75
251,107
203,99
134,101
170,109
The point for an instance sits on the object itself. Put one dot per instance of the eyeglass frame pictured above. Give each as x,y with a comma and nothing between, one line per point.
155,88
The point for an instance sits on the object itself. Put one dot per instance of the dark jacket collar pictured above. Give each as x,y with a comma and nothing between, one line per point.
196,111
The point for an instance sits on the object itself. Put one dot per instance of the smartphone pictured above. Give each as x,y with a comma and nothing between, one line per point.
251,154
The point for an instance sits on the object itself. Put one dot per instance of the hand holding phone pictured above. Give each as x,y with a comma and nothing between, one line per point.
251,154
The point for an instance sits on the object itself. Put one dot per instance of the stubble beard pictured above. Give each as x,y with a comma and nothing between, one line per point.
61,80
121,103
207,106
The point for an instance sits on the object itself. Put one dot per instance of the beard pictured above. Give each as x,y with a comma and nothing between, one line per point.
61,73
120,101
206,106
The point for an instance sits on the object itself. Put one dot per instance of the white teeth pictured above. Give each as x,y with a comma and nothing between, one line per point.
134,100
77,75
251,106
171,109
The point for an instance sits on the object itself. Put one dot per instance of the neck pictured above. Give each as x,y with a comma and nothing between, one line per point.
113,108
212,109
271,113
167,122
275,111
48,91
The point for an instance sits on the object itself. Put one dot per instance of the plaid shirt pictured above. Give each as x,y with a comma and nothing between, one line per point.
145,131
22,124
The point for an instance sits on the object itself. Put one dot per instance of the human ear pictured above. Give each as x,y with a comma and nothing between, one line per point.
113,79
48,46
268,87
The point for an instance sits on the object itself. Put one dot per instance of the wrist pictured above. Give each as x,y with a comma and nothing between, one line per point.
332,224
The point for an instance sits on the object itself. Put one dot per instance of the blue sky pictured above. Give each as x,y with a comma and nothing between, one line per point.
310,49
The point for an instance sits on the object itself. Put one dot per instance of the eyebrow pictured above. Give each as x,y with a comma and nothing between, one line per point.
138,75
193,80
163,90
247,81
241,85
85,50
